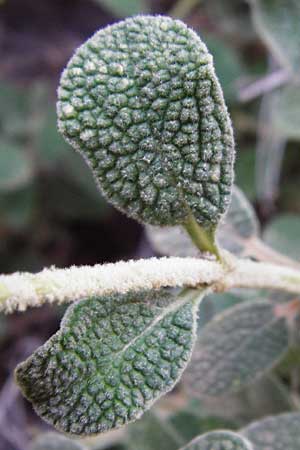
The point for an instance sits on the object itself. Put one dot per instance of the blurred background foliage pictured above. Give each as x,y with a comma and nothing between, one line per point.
51,212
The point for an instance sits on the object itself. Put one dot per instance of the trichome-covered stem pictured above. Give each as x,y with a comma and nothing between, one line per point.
22,290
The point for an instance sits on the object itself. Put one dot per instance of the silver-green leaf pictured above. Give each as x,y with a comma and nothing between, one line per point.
277,22
55,441
111,359
237,347
236,232
219,440
141,102
280,432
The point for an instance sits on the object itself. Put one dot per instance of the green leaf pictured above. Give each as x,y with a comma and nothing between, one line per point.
277,22
239,226
111,359
286,111
124,8
237,347
283,235
151,433
219,440
189,425
275,433
15,167
141,102
55,441
227,64
265,396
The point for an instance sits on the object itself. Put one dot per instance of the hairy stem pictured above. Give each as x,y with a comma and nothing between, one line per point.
203,239
22,290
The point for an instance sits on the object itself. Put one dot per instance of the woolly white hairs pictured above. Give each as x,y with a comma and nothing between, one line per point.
22,290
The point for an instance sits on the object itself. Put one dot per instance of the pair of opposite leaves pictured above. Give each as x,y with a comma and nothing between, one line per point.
141,102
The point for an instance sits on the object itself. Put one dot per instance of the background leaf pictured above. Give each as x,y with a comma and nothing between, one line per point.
151,433
237,347
286,111
283,235
219,440
277,433
55,441
111,359
277,22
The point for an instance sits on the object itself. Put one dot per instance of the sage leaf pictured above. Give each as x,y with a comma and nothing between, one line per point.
219,440
151,433
237,347
280,432
111,359
283,235
141,102
235,233
265,396
240,225
277,22
286,111
55,441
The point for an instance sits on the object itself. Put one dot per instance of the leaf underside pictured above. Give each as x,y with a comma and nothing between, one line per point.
141,102
237,347
111,359
280,432
55,441
219,440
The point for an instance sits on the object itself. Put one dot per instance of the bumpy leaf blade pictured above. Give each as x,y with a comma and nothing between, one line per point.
277,22
141,102
277,433
219,440
55,441
111,359
237,347
238,227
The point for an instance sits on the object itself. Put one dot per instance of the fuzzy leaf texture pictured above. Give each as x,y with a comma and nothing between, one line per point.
219,440
280,432
111,359
235,233
55,441
141,102
237,347
277,22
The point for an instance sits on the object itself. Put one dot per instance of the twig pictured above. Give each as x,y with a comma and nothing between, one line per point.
22,290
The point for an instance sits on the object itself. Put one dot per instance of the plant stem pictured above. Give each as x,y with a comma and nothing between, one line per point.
22,290
203,238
